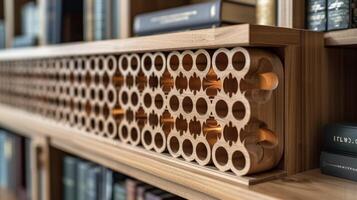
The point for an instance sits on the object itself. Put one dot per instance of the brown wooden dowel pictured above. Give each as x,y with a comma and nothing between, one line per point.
264,81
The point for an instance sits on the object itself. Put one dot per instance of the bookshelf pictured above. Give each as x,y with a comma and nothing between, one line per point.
312,74
289,44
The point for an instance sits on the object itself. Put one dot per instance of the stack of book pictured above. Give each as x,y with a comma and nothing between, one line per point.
15,164
84,180
29,26
2,34
196,16
339,157
328,15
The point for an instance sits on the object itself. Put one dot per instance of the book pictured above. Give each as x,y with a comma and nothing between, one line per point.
91,193
119,191
107,184
339,165
131,188
102,19
338,14
196,16
88,20
141,190
316,15
28,166
69,177
14,160
2,34
71,18
64,21
30,19
115,19
159,194
3,161
340,138
82,170
53,21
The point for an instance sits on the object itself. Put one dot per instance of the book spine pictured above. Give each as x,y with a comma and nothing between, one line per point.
89,12
119,192
339,137
316,15
90,184
181,18
82,173
28,164
69,178
99,19
116,19
49,21
338,14
131,189
342,166
2,34
3,161
108,184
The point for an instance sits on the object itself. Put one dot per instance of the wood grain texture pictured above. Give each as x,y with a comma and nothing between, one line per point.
292,158
309,185
238,35
341,38
313,109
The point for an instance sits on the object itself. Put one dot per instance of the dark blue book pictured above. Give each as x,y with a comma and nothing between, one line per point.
107,183
115,19
2,34
338,14
316,15
340,138
70,178
119,191
4,182
339,165
196,16
83,168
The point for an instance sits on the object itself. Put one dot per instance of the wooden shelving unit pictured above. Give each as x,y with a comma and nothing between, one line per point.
182,178
316,91
346,38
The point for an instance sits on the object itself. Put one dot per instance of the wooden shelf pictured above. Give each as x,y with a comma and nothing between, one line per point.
230,36
345,38
309,185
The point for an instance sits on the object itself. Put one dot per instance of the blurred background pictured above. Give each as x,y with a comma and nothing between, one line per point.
44,22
